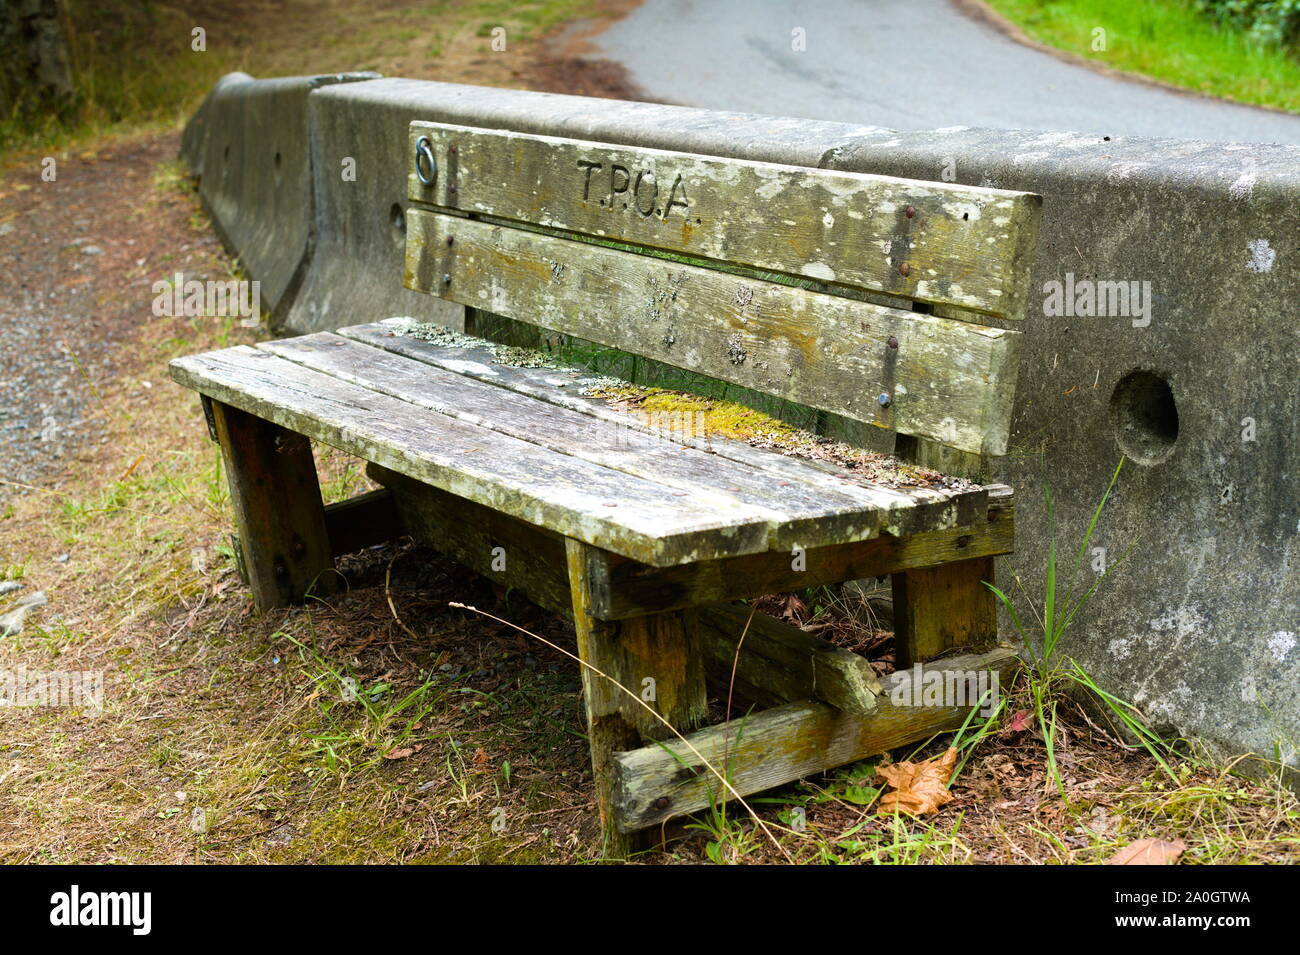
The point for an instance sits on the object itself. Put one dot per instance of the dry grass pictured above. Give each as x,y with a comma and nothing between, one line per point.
135,63
338,733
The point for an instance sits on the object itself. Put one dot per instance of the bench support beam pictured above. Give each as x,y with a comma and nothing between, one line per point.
655,657
278,509
362,521
938,608
624,588
777,746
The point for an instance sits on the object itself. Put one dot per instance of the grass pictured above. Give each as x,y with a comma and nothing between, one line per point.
1166,40
1050,674
228,737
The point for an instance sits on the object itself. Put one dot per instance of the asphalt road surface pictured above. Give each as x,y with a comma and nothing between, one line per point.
903,64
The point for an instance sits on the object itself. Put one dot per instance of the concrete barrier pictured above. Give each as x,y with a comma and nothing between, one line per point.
1198,388
1192,375
248,144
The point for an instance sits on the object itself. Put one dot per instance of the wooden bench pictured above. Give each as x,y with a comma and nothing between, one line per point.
878,300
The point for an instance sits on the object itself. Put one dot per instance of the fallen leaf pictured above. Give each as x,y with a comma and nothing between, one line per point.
1149,852
1019,722
919,788
404,752
794,609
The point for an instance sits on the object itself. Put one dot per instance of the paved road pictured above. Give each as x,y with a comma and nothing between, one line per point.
905,64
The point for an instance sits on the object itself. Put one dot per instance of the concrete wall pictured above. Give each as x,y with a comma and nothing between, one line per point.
248,143
1200,625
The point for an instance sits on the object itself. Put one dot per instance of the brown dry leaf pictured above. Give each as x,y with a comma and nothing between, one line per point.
793,609
919,788
402,753
1149,852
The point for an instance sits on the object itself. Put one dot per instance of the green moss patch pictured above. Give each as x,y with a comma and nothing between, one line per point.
732,421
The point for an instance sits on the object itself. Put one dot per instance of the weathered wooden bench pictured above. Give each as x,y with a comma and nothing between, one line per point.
877,300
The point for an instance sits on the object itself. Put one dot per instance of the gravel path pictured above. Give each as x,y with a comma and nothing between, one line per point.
78,259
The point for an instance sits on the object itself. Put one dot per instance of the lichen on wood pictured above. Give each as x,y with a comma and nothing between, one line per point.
728,419
512,355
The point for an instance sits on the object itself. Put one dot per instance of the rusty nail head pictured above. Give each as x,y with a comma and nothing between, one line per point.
892,343
663,802
903,269
910,211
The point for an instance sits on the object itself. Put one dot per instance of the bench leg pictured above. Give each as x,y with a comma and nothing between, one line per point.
938,608
278,509
655,657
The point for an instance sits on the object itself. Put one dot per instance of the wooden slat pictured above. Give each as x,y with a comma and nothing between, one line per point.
963,246
616,511
903,510
361,521
798,513
780,745
775,663
624,588
946,380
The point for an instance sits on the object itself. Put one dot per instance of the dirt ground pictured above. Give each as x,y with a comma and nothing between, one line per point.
382,725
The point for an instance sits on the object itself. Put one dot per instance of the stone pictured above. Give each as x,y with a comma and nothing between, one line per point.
11,622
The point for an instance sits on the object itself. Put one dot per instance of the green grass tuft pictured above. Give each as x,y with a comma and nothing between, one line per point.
1166,40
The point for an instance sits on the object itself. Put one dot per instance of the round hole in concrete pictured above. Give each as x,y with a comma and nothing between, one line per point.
1144,417
397,216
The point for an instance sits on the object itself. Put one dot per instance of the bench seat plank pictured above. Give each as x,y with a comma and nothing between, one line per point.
501,436
799,514
901,511
615,511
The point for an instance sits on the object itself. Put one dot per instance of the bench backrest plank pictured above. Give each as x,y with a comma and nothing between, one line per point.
962,246
697,262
